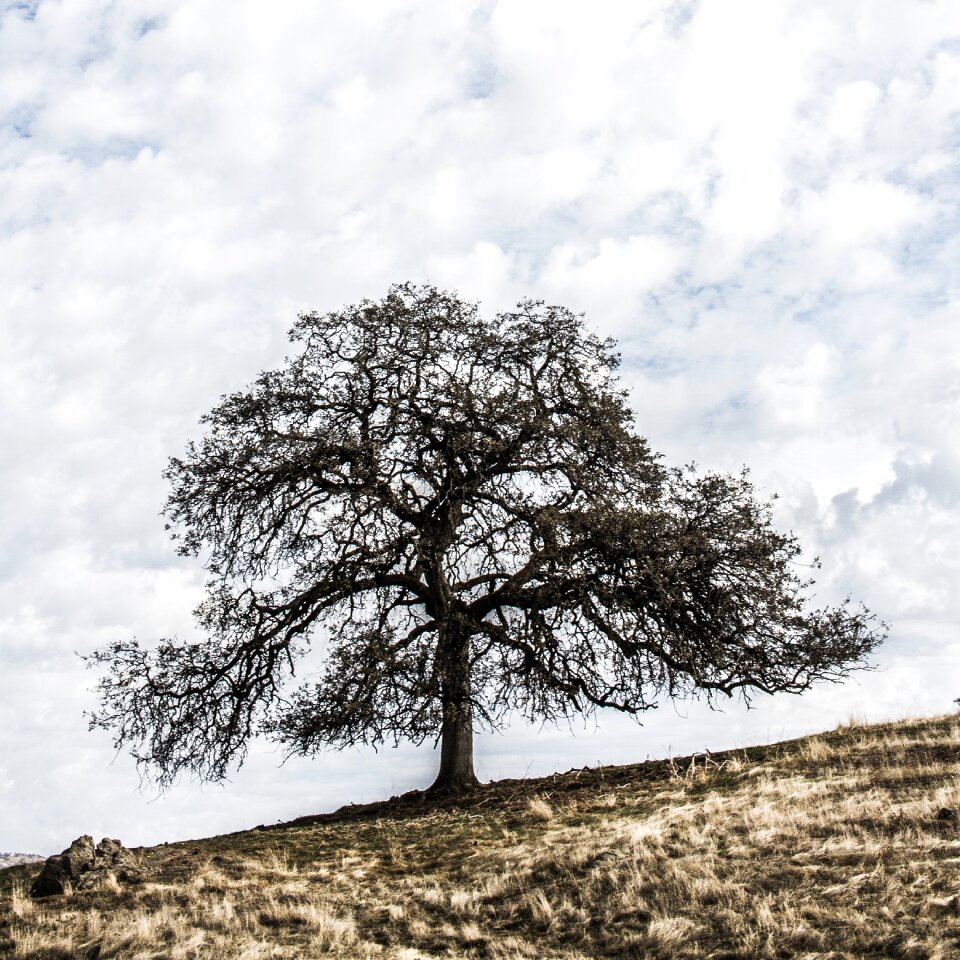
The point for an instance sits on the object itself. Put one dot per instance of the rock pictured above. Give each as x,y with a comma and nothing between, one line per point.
112,856
78,858
65,869
948,814
83,866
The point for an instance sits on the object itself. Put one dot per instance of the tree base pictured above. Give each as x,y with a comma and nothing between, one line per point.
452,787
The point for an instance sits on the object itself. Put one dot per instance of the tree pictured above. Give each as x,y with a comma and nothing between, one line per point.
458,512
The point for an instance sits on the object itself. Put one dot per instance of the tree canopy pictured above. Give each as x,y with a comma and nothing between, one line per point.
460,515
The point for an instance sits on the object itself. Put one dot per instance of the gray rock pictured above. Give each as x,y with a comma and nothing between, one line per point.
111,856
79,857
83,866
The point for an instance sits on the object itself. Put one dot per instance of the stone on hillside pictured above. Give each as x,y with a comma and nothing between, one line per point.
79,857
83,866
113,856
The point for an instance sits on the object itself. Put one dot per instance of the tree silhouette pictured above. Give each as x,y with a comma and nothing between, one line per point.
458,512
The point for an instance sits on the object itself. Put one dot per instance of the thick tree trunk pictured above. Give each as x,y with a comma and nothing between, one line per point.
456,734
456,751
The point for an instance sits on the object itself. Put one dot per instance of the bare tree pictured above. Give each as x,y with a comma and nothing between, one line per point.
459,513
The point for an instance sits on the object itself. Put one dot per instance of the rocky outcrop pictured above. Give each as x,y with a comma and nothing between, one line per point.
83,866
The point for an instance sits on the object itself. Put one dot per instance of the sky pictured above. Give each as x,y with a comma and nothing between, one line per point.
757,198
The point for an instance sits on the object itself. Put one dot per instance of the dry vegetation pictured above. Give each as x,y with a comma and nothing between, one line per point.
826,847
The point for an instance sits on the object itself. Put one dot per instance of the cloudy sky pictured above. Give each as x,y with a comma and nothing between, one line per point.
758,198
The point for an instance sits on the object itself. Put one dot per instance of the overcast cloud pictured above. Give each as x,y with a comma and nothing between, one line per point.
759,198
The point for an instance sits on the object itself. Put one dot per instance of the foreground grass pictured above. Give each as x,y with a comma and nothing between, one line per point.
825,847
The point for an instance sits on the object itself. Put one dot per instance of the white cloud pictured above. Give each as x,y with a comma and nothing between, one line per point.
850,109
795,393
610,277
486,271
759,198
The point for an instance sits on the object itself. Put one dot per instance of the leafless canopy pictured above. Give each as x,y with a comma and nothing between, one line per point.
459,514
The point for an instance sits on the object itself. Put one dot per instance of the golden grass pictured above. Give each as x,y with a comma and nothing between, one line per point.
539,809
826,847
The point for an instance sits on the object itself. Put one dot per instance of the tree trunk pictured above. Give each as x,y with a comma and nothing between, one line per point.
456,733
456,751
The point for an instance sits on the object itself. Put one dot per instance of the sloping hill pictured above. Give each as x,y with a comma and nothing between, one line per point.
13,859
840,845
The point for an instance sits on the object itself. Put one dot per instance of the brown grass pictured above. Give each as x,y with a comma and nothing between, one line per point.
826,847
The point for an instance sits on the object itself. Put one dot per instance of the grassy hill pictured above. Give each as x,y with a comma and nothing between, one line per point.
829,846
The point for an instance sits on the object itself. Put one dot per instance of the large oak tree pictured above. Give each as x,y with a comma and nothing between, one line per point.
459,514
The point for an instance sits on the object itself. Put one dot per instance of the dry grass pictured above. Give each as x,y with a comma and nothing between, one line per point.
539,809
827,847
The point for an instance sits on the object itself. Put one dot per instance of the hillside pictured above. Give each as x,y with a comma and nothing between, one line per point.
834,846
12,859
